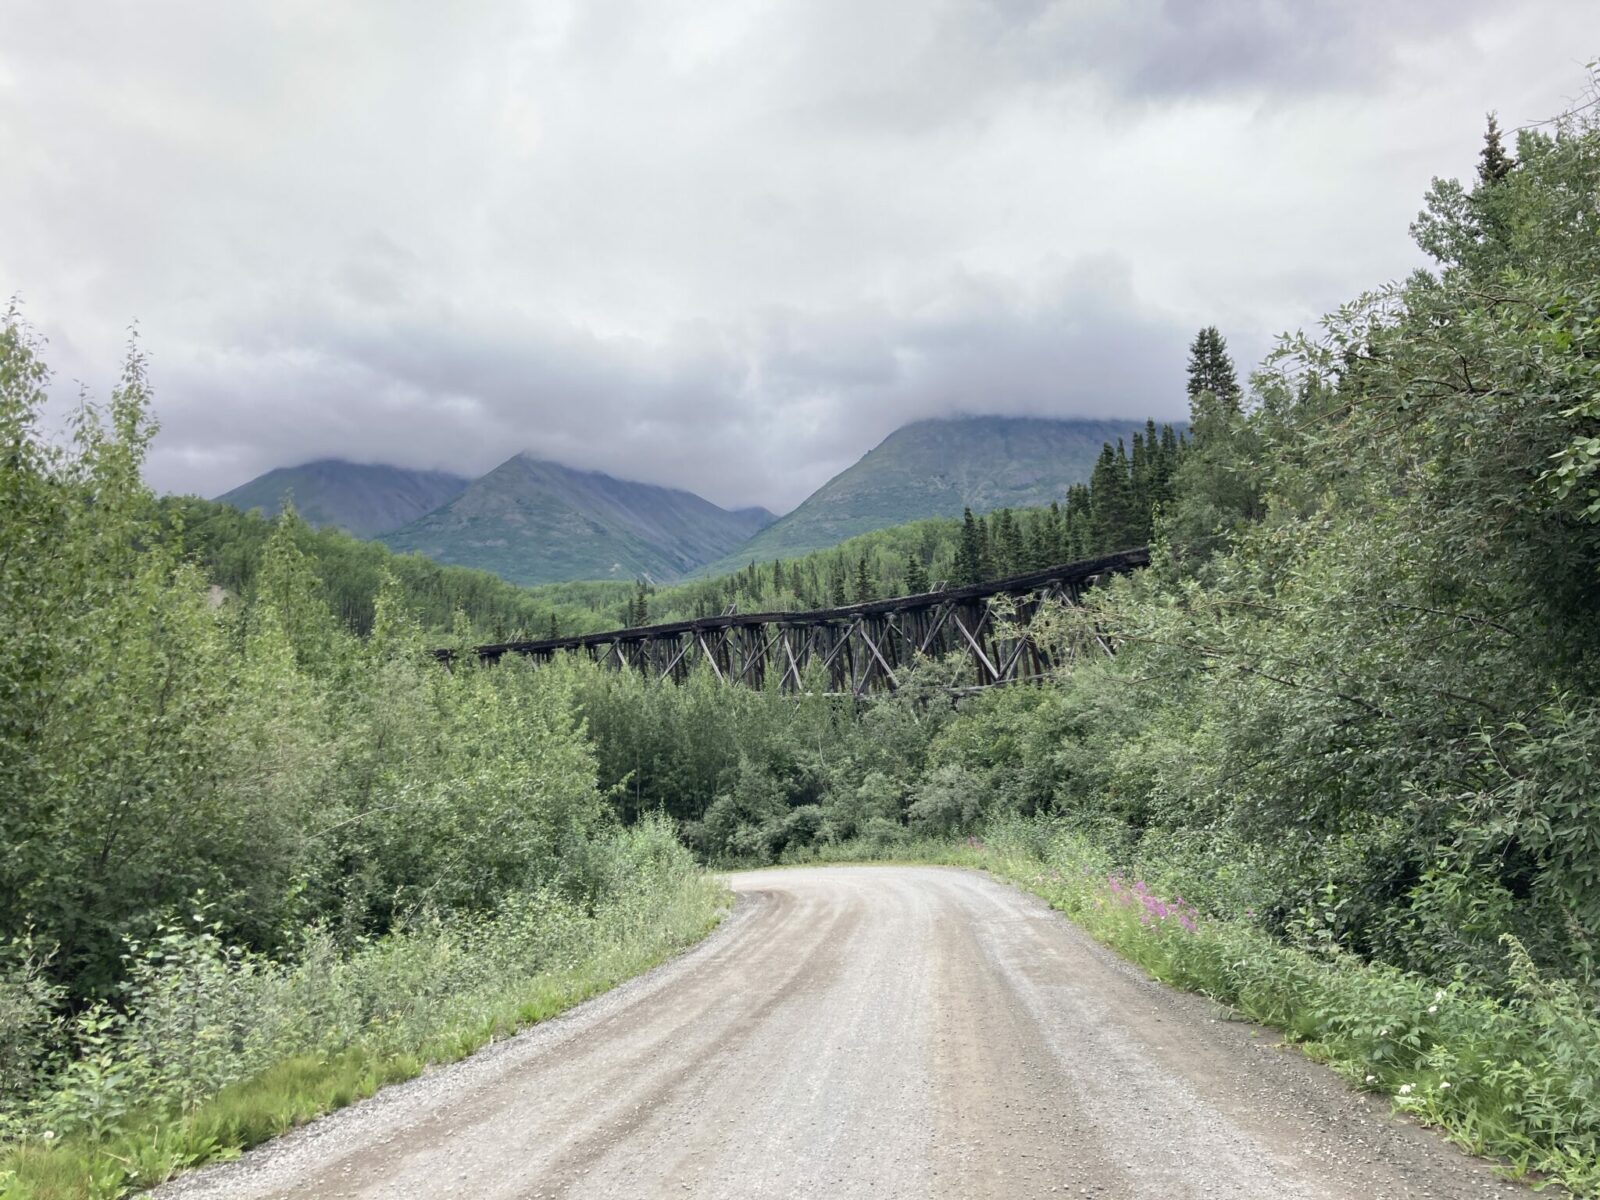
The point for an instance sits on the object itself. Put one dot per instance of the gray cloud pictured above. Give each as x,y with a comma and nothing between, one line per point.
1164,49
721,245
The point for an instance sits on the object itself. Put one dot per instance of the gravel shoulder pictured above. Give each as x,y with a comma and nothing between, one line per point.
871,1031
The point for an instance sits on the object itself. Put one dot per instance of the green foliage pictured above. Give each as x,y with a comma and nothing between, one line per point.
228,545
241,835
1353,720
218,1047
1354,713
930,469
1494,164
1117,512
535,522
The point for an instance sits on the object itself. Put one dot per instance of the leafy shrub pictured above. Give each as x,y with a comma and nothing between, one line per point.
30,1026
202,1016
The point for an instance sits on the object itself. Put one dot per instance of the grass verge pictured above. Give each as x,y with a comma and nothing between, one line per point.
150,1145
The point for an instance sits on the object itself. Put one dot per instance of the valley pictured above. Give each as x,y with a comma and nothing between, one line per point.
534,522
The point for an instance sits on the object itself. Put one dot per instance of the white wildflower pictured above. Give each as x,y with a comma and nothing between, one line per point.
1433,1008
1405,1089
1445,1086
1371,1078
49,1135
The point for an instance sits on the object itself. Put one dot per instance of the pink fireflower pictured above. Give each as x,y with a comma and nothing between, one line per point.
1152,909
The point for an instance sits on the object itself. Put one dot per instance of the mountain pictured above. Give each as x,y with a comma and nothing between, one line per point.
532,521
934,468
359,498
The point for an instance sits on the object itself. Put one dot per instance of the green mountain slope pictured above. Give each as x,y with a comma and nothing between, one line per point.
934,468
359,498
531,521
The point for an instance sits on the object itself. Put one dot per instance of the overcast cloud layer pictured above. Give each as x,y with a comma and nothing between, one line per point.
722,244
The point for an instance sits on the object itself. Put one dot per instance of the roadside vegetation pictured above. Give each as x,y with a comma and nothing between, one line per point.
255,864
1354,717
1341,774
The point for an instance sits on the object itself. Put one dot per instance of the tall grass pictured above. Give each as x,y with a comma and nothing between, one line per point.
219,1049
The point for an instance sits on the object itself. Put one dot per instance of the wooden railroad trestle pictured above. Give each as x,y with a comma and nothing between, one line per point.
861,647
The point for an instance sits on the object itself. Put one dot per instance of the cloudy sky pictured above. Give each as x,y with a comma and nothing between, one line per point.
721,244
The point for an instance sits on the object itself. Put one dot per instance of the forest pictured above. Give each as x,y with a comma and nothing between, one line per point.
1348,747
1114,510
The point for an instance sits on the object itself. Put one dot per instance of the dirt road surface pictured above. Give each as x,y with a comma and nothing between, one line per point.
871,1032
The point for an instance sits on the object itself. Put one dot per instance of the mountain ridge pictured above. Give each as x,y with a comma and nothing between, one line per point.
533,521
363,499
935,467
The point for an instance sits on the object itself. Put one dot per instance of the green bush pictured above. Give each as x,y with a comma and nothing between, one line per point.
202,1017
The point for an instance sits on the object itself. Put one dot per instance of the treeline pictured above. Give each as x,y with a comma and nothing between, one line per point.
1115,510
230,546
1359,690
237,833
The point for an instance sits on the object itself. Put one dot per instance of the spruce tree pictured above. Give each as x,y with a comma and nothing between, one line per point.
1211,370
1494,164
1075,523
1008,549
1036,541
1111,515
838,591
865,589
1080,541
1056,548
969,554
916,575
1139,472
639,606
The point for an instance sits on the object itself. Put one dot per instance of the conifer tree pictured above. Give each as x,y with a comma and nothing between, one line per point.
916,575
1494,164
969,554
1170,445
638,609
1012,556
1211,370
838,593
1139,473
865,588
1075,522
1111,517
1080,541
1036,540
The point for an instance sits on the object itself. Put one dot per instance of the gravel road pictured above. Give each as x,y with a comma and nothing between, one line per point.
871,1031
